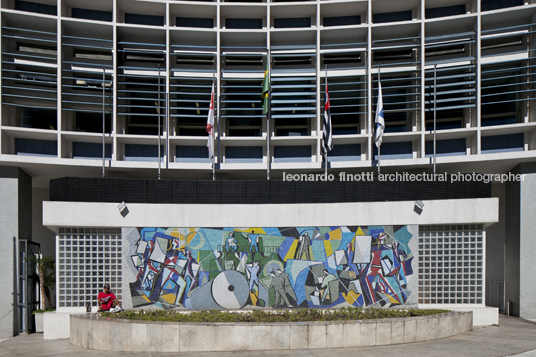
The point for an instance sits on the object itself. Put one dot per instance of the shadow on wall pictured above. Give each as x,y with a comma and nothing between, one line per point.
309,267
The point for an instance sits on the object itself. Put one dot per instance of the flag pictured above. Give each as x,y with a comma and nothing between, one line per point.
210,125
380,122
266,89
327,137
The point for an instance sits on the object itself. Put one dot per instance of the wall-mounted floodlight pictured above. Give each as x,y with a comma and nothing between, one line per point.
418,207
123,209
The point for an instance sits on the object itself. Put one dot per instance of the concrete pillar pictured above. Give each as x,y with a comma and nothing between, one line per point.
520,267
15,223
495,249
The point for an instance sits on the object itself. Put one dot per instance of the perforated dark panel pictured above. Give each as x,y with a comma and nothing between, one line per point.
76,189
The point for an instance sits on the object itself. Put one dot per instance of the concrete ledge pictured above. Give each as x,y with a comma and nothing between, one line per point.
483,316
108,334
55,325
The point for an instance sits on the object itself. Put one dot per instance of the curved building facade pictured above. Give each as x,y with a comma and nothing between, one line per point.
54,55
135,78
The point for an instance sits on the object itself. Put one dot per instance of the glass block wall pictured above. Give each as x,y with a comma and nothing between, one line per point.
451,264
87,259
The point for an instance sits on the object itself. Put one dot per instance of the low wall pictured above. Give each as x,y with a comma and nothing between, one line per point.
89,331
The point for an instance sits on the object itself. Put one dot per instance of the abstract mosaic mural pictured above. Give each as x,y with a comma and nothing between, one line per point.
232,268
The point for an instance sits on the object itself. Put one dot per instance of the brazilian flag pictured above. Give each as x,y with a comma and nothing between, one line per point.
266,89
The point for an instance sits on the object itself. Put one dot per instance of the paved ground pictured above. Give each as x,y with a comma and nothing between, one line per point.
513,337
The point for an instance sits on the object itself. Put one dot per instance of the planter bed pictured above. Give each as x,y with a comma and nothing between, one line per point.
112,334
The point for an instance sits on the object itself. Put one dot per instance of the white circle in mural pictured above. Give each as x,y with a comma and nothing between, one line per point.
230,290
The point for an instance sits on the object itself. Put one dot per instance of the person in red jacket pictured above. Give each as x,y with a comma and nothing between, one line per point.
107,299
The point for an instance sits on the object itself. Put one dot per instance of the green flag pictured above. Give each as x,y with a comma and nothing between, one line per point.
266,89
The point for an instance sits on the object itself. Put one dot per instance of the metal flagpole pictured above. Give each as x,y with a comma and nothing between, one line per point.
435,112
213,131
379,159
268,159
214,138
103,118
379,147
167,130
326,152
158,111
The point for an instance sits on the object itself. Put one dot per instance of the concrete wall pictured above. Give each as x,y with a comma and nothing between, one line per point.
495,240
142,336
527,242
520,247
512,246
80,214
15,220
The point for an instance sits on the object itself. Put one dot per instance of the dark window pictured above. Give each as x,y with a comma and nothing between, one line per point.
392,16
400,55
394,151
136,152
92,14
243,23
502,143
292,22
191,153
195,22
35,147
349,152
91,150
446,147
38,118
499,4
192,131
445,119
91,122
292,154
242,154
342,20
345,57
445,11
498,120
140,19
35,7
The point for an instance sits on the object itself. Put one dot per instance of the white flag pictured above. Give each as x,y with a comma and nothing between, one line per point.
380,123
210,125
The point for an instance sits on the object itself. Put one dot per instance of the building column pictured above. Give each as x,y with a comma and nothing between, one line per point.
15,224
520,247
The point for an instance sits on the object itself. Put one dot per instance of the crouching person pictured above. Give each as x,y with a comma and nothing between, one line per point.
107,300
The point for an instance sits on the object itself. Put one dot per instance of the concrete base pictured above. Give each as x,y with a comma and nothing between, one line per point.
482,316
108,334
56,325
39,322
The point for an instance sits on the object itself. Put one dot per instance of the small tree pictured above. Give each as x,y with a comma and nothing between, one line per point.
46,270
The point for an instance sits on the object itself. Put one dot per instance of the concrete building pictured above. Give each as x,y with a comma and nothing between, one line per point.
154,63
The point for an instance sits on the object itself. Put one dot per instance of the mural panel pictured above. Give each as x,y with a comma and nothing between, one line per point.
233,268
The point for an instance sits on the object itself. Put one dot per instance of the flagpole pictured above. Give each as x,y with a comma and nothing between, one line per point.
268,159
218,113
167,130
218,117
379,155
435,113
326,152
103,118
158,111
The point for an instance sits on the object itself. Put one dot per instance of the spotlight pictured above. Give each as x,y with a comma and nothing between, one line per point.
123,209
417,208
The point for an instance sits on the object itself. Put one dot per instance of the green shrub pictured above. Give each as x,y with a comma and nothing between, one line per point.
298,315
45,310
